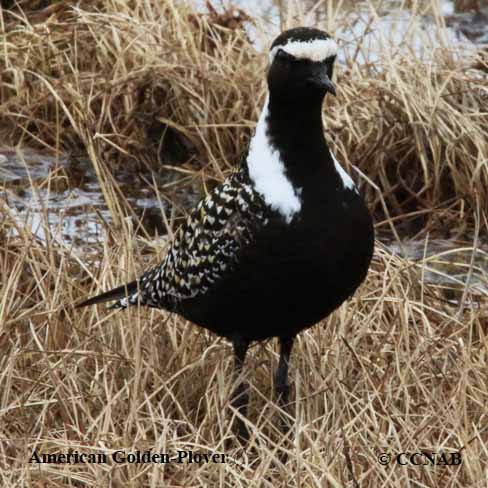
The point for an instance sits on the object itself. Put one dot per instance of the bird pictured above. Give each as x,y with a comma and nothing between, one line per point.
284,240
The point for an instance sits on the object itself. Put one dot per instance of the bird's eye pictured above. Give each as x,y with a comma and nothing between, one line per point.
283,55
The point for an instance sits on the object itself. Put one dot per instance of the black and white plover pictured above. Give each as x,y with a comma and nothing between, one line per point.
280,243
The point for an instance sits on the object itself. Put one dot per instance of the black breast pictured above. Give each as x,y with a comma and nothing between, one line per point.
292,275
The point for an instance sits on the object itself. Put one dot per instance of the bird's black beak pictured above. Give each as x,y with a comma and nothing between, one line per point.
320,79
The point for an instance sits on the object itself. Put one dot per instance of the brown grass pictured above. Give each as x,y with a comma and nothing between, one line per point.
399,369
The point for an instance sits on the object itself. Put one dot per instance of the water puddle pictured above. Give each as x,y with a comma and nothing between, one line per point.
62,197
451,264
50,204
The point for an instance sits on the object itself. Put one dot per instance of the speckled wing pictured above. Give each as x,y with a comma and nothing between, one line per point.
206,246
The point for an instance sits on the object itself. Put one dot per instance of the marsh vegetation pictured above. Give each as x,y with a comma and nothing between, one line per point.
115,117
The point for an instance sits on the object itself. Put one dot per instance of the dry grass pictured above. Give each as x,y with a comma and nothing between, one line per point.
399,369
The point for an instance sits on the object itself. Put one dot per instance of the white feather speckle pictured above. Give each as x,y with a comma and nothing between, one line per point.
267,171
346,179
313,50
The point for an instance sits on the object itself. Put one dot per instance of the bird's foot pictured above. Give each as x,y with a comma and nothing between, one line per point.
240,400
282,392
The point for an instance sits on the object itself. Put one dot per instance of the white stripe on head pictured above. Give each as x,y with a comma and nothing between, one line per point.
313,50
267,172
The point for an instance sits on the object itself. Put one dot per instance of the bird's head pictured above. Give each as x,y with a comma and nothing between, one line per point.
301,64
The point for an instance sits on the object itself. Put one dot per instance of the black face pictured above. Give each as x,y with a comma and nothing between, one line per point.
298,78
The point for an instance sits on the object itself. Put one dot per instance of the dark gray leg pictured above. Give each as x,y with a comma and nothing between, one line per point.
240,397
281,376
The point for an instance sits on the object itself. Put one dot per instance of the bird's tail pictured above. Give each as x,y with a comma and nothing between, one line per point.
115,294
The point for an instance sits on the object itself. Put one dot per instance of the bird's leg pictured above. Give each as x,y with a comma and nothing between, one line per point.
281,376
240,397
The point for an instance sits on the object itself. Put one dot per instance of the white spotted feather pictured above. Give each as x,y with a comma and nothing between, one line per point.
205,247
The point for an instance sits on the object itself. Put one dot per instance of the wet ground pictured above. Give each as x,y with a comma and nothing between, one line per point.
453,265
390,27
65,192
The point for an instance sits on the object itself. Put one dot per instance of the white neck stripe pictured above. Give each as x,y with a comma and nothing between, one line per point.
267,171
346,179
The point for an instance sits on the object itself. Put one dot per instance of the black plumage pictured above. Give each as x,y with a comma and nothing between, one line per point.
284,240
